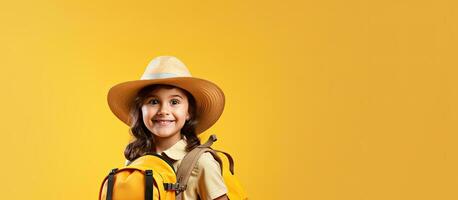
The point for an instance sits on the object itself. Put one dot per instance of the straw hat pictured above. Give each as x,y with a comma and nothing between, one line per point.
171,71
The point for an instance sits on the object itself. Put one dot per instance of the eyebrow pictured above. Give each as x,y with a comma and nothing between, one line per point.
173,95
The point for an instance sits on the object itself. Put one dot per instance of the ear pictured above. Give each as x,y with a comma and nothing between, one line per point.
188,117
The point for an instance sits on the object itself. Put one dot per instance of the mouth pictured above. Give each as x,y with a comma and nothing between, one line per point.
163,122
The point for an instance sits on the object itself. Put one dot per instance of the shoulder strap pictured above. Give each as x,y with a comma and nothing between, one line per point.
230,159
190,160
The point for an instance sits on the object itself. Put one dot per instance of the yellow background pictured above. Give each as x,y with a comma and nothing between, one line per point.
325,99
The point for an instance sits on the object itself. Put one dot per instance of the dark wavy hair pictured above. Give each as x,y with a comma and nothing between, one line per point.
143,142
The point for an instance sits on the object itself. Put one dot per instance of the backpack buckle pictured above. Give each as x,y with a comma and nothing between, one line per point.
174,187
148,172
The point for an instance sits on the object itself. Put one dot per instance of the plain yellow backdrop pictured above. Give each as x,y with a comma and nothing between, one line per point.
326,99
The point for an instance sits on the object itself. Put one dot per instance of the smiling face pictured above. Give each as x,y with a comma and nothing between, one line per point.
165,112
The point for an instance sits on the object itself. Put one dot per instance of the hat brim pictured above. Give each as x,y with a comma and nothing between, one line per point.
209,98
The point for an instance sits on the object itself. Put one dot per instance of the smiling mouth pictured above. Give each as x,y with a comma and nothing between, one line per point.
163,122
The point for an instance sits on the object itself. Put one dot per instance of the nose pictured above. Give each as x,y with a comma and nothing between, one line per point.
163,110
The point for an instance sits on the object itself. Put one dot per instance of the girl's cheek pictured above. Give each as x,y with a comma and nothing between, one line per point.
145,112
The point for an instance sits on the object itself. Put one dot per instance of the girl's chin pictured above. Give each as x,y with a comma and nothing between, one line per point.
164,135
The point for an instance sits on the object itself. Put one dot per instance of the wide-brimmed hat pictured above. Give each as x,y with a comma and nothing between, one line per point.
170,71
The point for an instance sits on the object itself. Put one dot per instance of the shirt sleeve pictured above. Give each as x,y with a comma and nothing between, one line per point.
211,183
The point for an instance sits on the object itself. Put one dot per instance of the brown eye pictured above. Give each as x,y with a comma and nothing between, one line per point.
153,101
174,101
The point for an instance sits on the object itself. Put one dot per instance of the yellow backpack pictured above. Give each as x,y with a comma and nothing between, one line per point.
151,177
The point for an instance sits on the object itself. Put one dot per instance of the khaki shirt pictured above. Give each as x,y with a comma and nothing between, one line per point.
205,181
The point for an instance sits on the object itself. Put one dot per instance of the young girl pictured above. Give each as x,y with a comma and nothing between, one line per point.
166,109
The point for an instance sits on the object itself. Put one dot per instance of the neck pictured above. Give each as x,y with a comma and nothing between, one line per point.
163,144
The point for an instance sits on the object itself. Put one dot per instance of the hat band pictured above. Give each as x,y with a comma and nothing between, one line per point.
160,75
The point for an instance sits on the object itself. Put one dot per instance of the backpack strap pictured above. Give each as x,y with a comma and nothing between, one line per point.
111,177
149,181
189,162
209,142
231,160
217,158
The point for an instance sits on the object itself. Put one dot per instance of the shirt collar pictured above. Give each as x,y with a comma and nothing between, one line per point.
177,151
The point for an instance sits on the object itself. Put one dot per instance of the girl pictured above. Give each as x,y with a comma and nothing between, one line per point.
166,109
